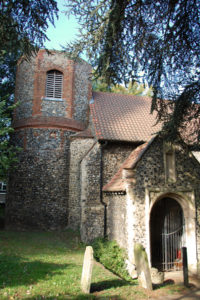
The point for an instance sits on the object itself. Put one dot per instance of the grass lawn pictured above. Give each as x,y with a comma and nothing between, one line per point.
48,265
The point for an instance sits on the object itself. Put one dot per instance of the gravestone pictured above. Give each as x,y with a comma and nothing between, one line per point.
142,265
87,270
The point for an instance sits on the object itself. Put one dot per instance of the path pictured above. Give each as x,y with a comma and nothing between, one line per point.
192,293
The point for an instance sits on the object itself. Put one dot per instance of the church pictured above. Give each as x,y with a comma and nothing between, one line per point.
94,162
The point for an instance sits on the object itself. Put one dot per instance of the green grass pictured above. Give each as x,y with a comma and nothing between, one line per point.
48,265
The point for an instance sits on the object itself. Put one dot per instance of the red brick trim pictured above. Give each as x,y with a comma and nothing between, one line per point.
69,87
37,92
49,122
42,67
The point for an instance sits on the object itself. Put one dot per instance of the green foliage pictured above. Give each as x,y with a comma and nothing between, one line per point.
111,256
99,85
22,31
8,152
138,89
158,41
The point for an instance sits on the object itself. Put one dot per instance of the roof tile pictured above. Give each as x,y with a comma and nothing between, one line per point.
123,117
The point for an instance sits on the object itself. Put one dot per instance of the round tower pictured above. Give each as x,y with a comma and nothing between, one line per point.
53,94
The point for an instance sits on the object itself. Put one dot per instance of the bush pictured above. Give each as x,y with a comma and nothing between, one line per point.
111,256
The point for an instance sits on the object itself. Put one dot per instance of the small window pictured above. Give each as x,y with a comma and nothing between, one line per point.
2,187
170,170
54,84
169,159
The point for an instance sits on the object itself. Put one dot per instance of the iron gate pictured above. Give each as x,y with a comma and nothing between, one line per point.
172,241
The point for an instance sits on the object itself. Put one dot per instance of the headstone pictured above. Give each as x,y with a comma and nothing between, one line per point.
142,265
87,270
156,277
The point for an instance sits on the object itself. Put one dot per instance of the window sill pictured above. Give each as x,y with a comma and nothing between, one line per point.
53,99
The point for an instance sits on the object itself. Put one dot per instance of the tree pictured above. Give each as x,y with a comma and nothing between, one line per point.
136,88
158,41
22,31
8,152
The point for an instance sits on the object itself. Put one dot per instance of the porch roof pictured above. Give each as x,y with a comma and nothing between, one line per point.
117,182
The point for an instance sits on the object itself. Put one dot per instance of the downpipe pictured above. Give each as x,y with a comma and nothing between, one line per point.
103,145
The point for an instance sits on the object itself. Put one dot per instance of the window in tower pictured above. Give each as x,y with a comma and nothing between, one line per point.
54,84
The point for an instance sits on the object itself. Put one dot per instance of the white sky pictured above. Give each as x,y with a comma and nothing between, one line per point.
65,29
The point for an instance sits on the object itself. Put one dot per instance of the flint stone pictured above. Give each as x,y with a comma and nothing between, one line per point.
87,270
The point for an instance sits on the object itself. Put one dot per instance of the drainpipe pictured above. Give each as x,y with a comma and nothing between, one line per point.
103,145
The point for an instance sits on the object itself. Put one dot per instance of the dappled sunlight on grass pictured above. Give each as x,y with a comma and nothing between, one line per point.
48,265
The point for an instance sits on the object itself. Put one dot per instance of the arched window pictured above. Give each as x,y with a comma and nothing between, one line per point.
54,84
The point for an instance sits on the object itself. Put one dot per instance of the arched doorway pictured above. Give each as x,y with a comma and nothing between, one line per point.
167,233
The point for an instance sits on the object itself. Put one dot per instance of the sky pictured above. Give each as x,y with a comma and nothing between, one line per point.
65,29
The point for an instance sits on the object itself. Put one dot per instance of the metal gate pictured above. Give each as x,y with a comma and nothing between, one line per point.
172,240
167,235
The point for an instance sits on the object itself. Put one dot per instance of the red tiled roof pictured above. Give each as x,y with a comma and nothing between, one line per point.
123,117
117,183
